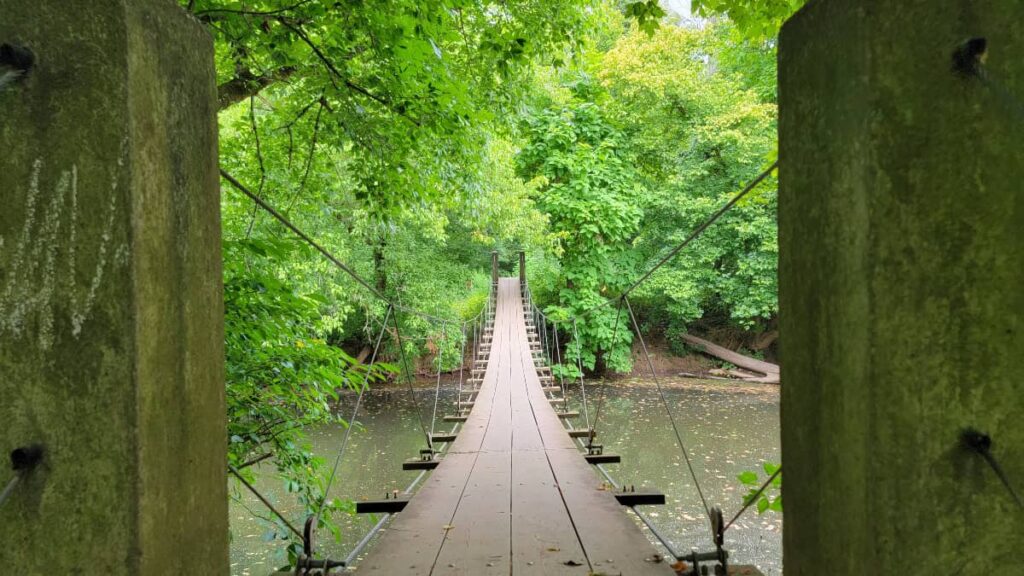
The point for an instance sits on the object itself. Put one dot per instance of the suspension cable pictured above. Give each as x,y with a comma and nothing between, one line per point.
462,359
604,387
579,363
437,390
561,369
408,378
355,413
668,408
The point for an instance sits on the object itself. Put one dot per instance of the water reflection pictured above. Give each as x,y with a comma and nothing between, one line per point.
728,429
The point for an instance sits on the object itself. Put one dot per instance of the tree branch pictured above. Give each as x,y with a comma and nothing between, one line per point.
334,70
246,84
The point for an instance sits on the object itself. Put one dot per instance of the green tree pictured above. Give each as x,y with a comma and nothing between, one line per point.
590,193
715,130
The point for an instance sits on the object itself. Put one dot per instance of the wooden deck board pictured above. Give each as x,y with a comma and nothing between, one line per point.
541,543
513,495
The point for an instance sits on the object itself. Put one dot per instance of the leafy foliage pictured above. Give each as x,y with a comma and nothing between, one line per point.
771,498
714,134
412,138
756,18
281,375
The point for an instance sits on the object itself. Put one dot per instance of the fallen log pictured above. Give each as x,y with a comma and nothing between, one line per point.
769,373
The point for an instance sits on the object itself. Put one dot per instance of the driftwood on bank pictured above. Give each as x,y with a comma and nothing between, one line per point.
764,372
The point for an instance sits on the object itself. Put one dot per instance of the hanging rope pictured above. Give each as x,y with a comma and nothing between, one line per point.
668,408
352,420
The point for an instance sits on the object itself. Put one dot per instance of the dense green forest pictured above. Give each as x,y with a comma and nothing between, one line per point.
412,138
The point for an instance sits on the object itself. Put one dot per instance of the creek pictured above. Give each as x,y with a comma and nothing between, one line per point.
728,429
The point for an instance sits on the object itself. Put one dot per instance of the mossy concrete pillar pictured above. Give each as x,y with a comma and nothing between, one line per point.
111,321
901,227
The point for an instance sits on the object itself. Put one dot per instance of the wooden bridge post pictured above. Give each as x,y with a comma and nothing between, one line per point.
522,268
111,314
901,267
494,269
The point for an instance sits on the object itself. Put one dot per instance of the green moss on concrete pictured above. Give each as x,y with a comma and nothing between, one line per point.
901,267
110,299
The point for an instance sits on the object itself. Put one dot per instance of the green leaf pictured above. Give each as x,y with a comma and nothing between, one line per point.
748,478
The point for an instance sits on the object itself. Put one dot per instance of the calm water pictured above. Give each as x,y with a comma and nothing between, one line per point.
728,429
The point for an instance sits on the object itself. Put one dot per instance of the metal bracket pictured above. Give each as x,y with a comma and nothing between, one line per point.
719,558
306,565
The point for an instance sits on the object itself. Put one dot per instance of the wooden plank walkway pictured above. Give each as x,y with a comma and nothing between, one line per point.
513,495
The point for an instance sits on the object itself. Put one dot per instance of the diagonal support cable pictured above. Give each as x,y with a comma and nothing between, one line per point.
753,497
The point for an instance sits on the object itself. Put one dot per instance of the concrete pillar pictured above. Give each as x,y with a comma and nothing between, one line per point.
494,268
901,300
522,268
111,318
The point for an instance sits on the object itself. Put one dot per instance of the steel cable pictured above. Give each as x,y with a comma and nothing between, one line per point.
355,413
668,408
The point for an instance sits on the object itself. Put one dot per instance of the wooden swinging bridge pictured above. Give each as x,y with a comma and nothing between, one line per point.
515,492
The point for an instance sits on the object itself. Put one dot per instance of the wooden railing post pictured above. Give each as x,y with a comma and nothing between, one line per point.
522,268
494,267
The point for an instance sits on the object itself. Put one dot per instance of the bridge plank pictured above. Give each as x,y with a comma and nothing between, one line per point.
543,537
477,539
410,545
